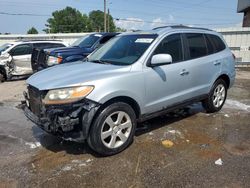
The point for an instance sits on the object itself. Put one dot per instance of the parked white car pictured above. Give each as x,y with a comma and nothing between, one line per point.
15,57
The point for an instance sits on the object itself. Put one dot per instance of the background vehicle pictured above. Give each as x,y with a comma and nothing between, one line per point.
77,51
4,47
15,59
132,78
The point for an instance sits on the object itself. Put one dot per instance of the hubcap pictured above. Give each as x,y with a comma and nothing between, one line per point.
219,95
116,129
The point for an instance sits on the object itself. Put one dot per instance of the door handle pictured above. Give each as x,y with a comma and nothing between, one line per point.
216,63
184,72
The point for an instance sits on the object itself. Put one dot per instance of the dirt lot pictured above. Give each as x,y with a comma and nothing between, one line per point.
209,150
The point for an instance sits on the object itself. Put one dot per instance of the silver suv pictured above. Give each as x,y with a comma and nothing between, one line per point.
133,77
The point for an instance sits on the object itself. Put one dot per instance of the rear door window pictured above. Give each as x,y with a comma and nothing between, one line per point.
23,49
171,45
210,46
196,45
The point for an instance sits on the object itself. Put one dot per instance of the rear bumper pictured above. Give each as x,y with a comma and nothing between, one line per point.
70,122
232,79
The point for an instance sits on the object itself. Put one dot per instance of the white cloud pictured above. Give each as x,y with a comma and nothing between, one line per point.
158,22
130,23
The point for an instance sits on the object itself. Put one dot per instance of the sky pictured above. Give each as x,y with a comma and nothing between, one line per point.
129,14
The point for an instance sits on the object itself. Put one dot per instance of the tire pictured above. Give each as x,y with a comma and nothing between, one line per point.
219,91
2,77
113,129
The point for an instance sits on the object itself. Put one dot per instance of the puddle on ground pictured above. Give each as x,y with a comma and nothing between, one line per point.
242,149
46,160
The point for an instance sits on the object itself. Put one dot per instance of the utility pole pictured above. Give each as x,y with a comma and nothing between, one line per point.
108,21
105,22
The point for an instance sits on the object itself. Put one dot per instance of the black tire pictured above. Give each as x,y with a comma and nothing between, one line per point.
2,77
95,140
208,103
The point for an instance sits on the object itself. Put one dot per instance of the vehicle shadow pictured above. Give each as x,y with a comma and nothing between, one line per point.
168,118
56,144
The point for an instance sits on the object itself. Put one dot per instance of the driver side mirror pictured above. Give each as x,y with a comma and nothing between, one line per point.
161,59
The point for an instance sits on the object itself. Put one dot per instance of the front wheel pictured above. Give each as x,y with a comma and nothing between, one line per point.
113,129
216,97
2,77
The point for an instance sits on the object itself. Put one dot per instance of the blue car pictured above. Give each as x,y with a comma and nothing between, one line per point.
80,49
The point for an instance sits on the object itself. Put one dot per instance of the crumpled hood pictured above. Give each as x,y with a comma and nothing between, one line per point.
73,74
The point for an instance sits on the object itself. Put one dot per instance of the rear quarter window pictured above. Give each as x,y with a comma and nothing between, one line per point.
215,44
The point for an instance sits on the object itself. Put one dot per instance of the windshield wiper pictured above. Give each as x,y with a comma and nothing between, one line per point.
99,61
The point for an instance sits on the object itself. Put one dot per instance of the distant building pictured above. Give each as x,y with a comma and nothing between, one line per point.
244,7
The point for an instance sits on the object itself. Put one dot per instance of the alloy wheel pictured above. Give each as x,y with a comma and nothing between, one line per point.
219,95
116,129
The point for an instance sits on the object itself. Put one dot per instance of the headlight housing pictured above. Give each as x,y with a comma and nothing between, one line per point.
54,60
67,95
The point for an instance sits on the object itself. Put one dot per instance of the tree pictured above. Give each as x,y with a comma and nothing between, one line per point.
96,21
68,20
118,29
32,31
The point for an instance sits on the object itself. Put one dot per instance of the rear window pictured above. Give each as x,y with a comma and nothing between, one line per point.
214,44
87,41
196,45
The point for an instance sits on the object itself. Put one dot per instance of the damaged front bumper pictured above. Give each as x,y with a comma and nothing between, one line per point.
68,121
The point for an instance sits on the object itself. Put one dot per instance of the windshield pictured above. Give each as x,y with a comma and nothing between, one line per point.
5,47
87,41
123,50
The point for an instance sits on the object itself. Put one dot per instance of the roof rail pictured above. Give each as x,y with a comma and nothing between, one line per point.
172,26
161,27
34,40
181,27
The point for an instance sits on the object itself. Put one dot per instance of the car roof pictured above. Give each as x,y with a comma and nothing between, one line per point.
105,33
36,41
165,29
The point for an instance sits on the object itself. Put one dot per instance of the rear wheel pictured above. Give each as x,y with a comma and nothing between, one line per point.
113,129
217,97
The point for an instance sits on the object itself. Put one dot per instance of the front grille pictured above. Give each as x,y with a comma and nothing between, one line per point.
35,100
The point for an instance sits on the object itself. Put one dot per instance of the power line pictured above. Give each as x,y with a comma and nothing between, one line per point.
21,14
122,19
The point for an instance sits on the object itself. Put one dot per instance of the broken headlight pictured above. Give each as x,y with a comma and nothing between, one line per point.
54,60
67,95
